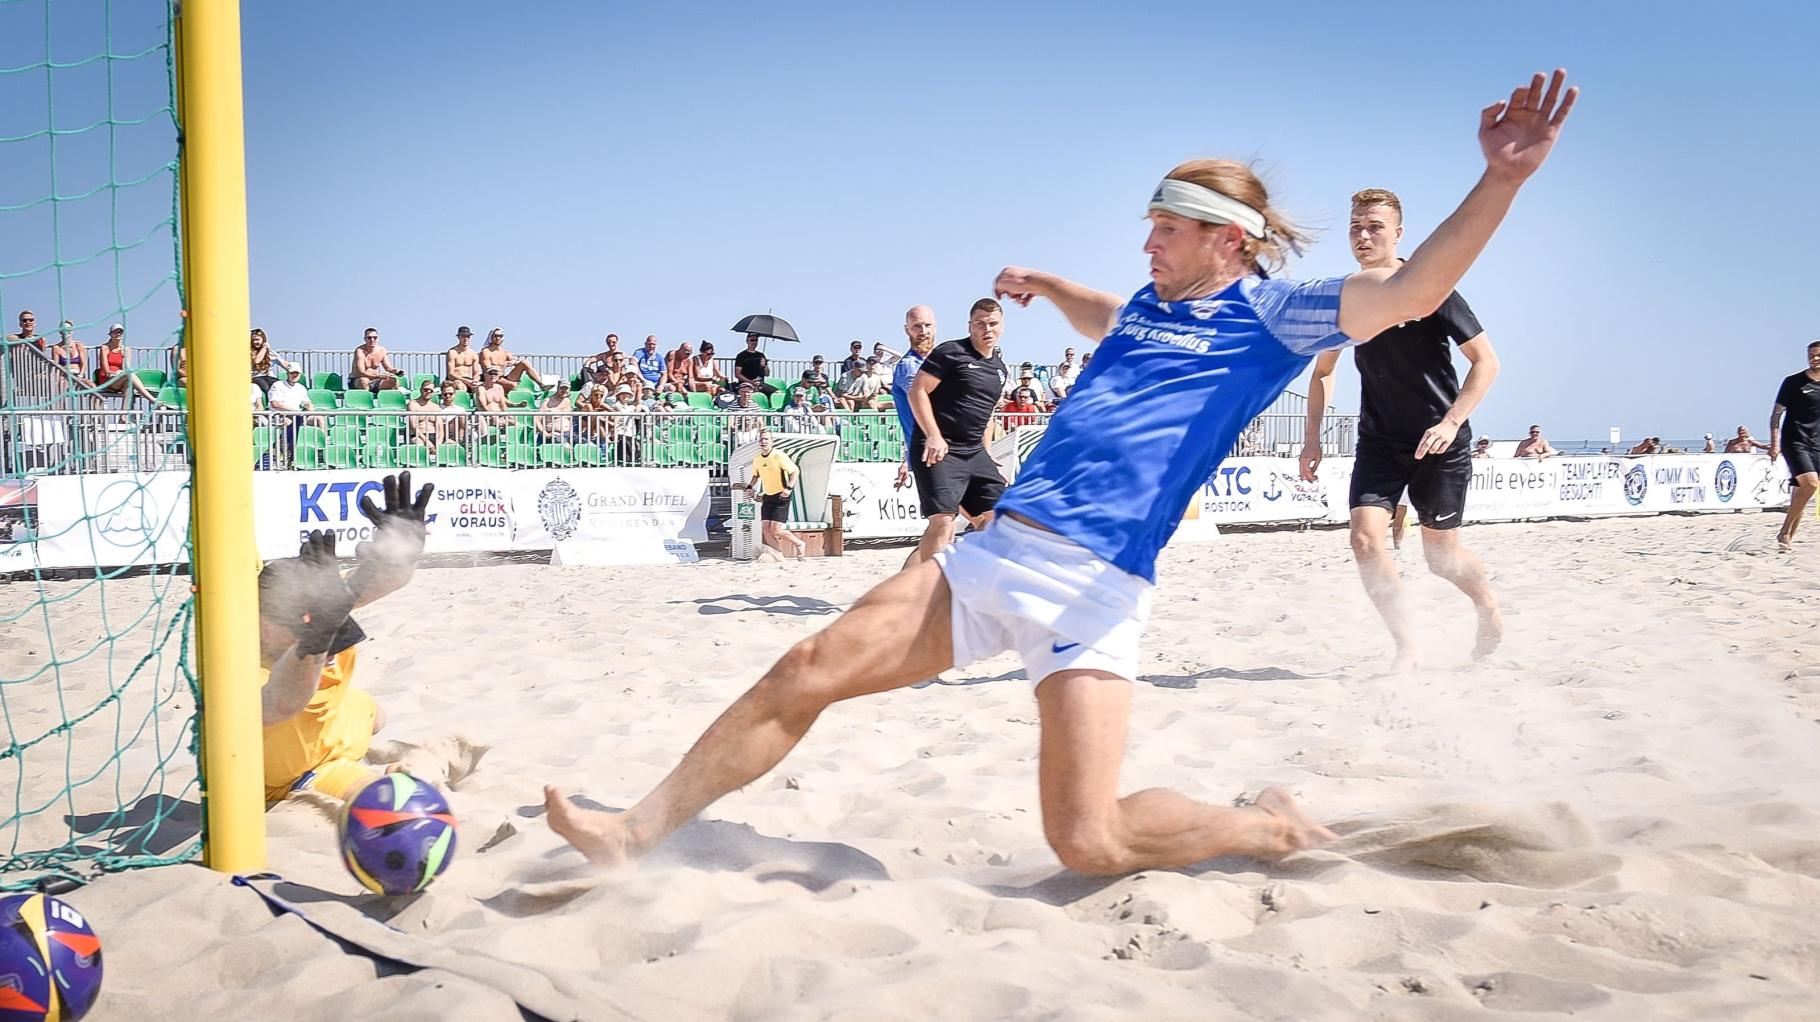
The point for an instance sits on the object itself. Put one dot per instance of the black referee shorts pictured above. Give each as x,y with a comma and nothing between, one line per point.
774,507
1801,460
1437,484
967,479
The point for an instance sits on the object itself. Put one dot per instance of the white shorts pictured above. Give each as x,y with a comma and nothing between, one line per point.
1057,603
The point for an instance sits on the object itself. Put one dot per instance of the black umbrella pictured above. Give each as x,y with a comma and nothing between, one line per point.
766,326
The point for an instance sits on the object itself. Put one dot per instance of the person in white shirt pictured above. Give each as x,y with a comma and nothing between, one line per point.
289,395
1064,375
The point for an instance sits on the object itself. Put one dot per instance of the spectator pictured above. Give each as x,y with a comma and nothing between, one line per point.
511,369
604,357
807,389
1709,447
1026,380
461,363
649,361
825,419
180,364
1022,409
748,415
752,367
1482,449
69,354
649,401
862,388
28,322
819,367
621,372
553,427
1534,445
1649,445
1062,379
424,423
1744,443
705,376
263,375
454,415
593,404
886,357
676,367
593,377
796,415
111,373
622,424
491,399
290,402
373,369
854,360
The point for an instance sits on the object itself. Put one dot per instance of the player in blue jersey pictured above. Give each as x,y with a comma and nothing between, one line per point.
1064,574
919,329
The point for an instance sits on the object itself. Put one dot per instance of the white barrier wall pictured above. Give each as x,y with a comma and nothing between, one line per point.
115,520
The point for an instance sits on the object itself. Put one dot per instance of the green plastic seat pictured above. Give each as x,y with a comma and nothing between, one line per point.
703,401
463,399
490,455
344,435
520,435
324,398
588,454
357,399
521,456
378,456
340,456
391,399
451,454
328,381
411,456
418,381
556,454
262,442
312,437
152,378
308,457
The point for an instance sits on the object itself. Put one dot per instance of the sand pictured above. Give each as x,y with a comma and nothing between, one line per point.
1615,816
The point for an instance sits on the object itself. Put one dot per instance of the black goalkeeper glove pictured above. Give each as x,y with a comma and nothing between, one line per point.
398,527
319,600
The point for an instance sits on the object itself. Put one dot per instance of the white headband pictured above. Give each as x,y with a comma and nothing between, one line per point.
1184,198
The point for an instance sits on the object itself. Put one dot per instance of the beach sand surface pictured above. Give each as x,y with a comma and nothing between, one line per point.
1617,815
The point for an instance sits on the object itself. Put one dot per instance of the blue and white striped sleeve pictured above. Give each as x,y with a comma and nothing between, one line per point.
1304,316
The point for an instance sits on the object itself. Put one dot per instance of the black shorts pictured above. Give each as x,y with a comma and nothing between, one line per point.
774,507
1801,460
1437,484
966,480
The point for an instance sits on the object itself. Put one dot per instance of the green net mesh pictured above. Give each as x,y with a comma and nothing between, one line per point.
97,697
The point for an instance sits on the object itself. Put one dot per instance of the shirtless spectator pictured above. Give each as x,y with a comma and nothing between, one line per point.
705,376
180,365
461,364
551,427
511,370
1648,445
1482,448
491,399
424,421
1534,445
751,367
605,356
28,330
373,369
861,389
1744,443
676,367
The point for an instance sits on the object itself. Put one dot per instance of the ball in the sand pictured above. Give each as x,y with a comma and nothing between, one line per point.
397,834
50,961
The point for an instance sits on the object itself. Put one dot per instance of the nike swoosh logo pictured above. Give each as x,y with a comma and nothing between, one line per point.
1056,647
1442,518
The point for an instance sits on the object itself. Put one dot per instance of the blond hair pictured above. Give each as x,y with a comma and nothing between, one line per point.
1378,197
1236,180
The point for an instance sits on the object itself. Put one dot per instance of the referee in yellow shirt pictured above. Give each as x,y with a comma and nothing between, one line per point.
773,481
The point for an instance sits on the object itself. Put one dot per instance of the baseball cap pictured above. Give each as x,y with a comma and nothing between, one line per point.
491,371
292,367
562,384
464,332
115,327
623,388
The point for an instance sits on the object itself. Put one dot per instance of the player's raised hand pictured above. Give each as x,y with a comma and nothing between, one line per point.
1517,134
1015,283
398,527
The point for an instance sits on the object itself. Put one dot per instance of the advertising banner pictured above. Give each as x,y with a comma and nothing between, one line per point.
605,504
469,510
872,505
114,520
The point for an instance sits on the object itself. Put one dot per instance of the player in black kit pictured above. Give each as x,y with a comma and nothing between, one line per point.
1797,439
1413,433
953,398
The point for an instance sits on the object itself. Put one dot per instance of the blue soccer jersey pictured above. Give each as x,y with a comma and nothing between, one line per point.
902,376
1167,393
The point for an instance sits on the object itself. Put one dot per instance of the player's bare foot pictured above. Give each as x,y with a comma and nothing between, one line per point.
602,837
1297,830
1404,661
1491,632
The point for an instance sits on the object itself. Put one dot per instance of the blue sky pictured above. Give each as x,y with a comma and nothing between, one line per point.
569,169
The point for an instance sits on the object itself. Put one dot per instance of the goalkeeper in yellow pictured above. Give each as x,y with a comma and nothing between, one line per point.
317,724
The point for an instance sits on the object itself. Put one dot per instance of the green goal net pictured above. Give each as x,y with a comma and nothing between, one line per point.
97,697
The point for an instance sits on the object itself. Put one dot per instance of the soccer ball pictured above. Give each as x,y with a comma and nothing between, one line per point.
50,961
397,834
